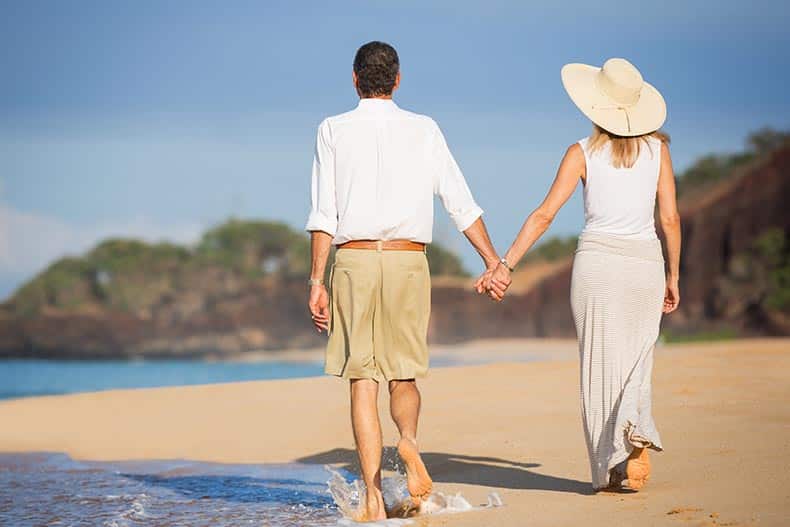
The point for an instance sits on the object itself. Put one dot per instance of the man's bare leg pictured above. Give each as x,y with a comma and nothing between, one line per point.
367,434
405,411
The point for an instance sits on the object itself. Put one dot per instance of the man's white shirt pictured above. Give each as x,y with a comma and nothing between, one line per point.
375,172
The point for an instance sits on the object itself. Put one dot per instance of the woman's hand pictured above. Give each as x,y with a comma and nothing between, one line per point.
498,283
671,296
482,281
319,307
481,284
495,280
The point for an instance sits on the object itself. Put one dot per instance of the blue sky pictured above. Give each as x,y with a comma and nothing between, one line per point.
158,119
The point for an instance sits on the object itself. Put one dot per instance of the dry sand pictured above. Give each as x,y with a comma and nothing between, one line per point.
722,410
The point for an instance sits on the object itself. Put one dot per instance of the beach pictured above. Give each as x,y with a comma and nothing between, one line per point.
510,427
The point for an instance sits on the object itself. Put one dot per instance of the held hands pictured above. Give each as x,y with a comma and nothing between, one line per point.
319,307
499,281
494,281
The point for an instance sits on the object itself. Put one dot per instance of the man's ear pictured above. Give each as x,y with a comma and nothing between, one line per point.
355,80
397,82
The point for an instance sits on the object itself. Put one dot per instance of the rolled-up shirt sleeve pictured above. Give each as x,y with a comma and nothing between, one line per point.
323,209
450,185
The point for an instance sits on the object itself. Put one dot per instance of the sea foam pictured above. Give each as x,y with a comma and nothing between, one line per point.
349,497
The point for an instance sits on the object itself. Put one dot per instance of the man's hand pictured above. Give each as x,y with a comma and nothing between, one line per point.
498,282
481,284
320,243
495,280
319,307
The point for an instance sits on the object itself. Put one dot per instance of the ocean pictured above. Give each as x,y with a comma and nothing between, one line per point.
31,377
35,377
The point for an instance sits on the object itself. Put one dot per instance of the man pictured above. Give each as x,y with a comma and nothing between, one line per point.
375,173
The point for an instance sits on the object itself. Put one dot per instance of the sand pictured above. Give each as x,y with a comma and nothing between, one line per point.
722,408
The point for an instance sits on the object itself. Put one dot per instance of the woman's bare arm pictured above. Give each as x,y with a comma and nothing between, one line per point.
670,224
572,168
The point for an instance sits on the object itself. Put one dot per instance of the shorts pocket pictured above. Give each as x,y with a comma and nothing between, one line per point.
332,301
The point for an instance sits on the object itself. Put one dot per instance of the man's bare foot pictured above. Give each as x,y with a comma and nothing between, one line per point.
637,468
417,479
374,508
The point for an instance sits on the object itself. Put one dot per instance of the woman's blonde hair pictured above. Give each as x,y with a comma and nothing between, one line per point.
625,150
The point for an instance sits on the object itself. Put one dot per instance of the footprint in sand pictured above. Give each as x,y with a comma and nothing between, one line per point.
700,518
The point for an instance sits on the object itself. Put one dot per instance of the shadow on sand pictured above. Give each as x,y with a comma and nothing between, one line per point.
459,468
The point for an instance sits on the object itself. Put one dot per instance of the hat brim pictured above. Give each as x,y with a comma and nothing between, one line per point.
645,116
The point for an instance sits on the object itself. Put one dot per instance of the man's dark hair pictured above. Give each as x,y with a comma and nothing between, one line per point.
376,65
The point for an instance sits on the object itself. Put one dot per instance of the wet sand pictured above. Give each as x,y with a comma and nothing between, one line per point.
722,409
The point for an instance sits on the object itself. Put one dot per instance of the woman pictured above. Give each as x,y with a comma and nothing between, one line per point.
618,285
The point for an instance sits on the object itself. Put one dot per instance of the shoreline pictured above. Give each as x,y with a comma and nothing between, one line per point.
513,428
20,378
478,351
471,350
467,352
539,346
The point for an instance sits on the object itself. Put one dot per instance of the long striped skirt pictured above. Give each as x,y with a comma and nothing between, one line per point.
617,292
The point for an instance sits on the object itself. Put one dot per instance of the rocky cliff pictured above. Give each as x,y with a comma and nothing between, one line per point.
735,263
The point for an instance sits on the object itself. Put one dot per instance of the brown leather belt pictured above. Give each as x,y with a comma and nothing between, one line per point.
383,245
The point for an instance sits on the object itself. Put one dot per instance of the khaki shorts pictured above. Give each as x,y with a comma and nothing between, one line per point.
381,303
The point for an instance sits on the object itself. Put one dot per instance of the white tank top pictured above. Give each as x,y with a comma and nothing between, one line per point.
621,201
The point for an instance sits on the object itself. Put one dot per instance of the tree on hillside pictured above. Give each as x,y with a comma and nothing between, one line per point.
133,275
766,140
444,262
712,168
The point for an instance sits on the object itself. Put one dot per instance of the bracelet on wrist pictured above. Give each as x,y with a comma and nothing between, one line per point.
315,281
503,261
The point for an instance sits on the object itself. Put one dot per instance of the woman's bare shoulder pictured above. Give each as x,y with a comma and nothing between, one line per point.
574,151
574,155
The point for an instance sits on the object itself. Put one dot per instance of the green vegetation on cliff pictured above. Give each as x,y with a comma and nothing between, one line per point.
713,168
131,275
444,262
255,248
769,264
756,281
552,249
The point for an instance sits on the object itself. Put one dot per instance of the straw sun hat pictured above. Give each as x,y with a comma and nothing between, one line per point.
615,97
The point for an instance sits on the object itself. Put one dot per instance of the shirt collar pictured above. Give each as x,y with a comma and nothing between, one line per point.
377,104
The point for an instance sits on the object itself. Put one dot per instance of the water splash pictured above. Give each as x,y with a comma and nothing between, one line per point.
349,496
